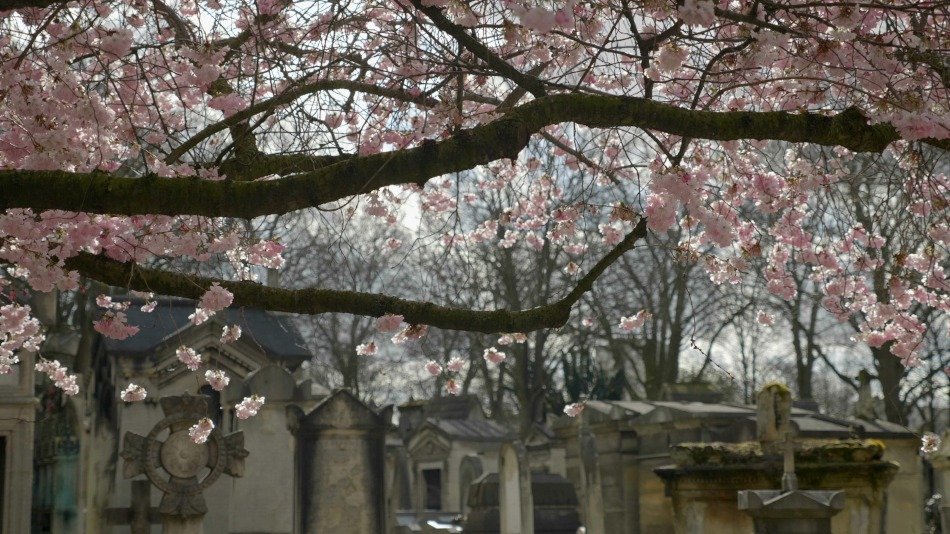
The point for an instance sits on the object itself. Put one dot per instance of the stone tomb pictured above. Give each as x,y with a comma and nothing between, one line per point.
707,477
342,447
632,438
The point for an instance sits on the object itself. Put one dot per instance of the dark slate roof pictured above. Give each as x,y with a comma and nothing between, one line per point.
452,407
272,334
809,423
471,430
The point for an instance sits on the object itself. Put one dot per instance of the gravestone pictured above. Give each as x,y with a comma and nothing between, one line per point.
517,506
174,464
342,447
789,510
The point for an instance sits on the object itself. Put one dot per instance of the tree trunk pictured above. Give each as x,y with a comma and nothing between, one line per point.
890,371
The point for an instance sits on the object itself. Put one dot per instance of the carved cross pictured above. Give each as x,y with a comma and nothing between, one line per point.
173,464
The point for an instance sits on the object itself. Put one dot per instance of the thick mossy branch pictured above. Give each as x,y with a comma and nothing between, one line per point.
503,138
313,301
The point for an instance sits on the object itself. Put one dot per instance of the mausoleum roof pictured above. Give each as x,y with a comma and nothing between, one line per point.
808,423
272,334
471,429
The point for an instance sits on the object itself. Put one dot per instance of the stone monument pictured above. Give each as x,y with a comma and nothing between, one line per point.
179,467
789,510
342,447
517,506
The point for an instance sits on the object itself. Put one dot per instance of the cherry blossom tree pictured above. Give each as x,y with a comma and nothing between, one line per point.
135,130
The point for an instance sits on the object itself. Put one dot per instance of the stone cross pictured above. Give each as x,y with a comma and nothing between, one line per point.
789,510
773,417
173,464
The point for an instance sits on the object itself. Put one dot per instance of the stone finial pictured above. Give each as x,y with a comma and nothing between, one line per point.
774,416
864,409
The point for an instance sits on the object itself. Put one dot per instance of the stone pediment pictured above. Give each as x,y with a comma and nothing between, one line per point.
236,360
342,410
427,446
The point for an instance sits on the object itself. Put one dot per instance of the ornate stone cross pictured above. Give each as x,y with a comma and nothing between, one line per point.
173,464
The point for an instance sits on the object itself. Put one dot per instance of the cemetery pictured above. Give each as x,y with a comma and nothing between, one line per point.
474,266
315,460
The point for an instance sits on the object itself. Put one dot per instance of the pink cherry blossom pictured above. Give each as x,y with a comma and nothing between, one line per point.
455,364
231,333
201,431
628,324
366,349
433,368
217,378
229,104
492,355
113,325
929,443
58,374
413,332
133,393
388,322
216,298
248,407
452,387
574,409
508,339
189,357
765,318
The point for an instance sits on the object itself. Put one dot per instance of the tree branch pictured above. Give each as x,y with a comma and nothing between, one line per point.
503,138
315,301
289,96
530,83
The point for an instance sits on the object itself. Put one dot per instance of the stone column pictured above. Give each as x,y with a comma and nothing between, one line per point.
593,505
515,499
17,412
342,451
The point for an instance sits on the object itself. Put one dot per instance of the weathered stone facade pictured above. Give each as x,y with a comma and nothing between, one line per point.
632,439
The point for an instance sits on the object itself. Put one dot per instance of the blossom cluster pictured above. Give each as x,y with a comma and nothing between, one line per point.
59,375
452,368
133,393
248,407
18,331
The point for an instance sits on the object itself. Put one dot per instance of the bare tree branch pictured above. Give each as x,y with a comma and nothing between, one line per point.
315,301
